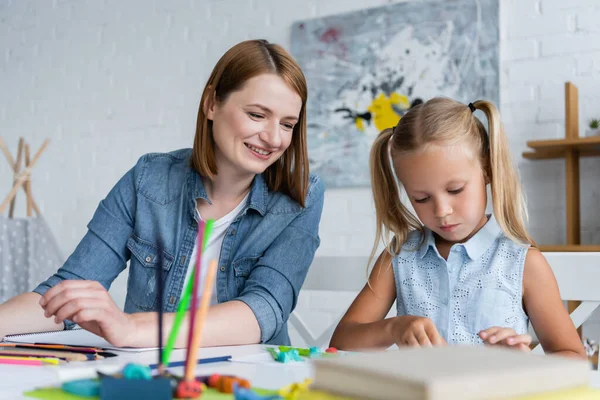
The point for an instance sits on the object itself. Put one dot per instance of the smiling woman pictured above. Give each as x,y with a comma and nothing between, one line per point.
248,170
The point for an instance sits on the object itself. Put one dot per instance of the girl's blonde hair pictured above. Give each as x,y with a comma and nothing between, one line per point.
448,121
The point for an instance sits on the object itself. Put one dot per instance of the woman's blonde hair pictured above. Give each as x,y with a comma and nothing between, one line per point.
448,121
289,174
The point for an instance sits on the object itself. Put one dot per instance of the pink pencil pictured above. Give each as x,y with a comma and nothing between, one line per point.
20,362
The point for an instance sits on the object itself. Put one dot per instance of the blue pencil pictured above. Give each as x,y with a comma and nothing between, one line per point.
200,361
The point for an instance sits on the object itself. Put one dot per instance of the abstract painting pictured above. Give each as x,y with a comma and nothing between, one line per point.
365,69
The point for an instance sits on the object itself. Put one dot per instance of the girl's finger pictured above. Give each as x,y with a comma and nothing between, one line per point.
435,337
412,341
501,335
524,347
485,334
519,339
422,339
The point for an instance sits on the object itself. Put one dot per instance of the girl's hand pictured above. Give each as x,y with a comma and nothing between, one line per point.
88,304
498,336
411,330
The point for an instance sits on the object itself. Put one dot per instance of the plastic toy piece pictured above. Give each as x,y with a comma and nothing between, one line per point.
291,392
83,387
311,352
137,371
225,383
189,389
286,355
314,352
240,393
112,388
332,350
301,351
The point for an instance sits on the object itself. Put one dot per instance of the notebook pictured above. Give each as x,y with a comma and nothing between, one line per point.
73,337
449,372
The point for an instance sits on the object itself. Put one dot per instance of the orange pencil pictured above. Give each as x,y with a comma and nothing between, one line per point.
190,367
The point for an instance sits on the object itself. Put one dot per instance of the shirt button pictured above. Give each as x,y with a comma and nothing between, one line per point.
222,268
148,258
233,232
172,300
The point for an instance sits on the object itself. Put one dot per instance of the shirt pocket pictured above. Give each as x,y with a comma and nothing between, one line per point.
242,267
141,285
488,307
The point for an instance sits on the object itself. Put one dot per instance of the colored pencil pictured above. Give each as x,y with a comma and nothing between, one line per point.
190,366
50,353
179,316
195,276
46,360
52,347
91,351
160,288
200,361
20,362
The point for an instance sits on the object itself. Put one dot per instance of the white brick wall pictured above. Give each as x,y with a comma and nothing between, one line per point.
108,81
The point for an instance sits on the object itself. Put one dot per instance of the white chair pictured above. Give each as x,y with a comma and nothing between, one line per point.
331,274
577,274
578,278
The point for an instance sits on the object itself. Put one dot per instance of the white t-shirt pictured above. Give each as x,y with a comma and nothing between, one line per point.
213,248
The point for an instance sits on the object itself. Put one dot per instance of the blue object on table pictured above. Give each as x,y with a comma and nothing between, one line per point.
137,371
314,352
82,387
240,393
200,361
112,388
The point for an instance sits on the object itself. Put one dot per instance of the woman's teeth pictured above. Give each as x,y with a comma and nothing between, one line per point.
259,151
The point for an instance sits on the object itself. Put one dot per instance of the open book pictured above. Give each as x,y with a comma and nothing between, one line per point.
450,372
73,337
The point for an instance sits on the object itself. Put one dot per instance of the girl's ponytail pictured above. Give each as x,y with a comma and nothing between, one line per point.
391,215
507,198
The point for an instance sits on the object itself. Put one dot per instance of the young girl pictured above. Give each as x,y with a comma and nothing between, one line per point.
457,274
248,170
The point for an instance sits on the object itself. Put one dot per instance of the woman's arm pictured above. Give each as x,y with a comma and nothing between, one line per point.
545,308
273,285
101,255
227,324
23,314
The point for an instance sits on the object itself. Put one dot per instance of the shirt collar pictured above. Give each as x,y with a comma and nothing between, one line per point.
475,247
258,197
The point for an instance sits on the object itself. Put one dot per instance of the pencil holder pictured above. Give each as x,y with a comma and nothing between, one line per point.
158,388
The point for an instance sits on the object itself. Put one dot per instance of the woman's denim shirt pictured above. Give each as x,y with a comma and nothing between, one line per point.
265,254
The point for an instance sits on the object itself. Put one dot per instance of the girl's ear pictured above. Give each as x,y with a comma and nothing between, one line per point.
209,105
487,175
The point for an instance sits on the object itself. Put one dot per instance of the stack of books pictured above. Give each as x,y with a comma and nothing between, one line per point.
454,372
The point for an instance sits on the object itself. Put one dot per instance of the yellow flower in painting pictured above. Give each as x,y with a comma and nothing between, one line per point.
382,110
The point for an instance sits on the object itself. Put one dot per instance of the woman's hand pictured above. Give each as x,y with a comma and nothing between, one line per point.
88,304
498,336
416,331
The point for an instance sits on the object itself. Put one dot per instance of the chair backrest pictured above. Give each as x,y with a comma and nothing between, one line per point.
331,274
577,274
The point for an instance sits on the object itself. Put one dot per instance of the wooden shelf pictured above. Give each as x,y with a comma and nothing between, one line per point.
558,153
559,148
569,247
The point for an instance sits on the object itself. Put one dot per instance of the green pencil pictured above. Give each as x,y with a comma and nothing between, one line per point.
185,300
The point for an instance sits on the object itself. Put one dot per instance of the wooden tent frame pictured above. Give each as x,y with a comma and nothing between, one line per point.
22,179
